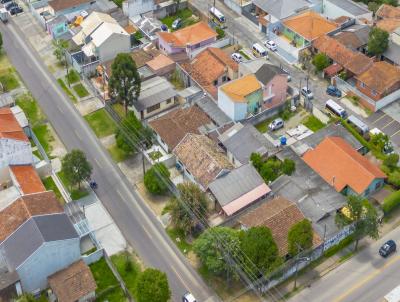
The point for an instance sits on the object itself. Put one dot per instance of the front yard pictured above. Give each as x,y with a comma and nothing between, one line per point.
75,192
101,123
312,123
185,14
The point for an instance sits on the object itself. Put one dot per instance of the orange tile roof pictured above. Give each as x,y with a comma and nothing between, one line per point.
28,179
72,283
238,89
191,35
310,25
24,208
279,215
160,62
340,165
209,65
9,126
388,25
388,11
380,77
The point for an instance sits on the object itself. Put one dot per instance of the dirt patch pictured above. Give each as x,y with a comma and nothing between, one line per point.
89,105
108,141
156,203
57,147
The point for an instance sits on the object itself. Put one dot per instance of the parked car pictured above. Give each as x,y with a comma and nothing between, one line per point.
271,45
11,5
276,124
237,57
289,77
16,10
307,93
188,297
5,1
177,23
387,248
333,91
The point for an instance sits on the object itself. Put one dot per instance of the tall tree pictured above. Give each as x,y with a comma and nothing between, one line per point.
259,246
320,61
362,215
76,167
192,200
152,285
125,81
300,237
378,41
60,46
210,252
152,179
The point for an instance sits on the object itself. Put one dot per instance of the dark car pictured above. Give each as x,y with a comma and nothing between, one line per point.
5,1
11,5
16,10
387,248
334,91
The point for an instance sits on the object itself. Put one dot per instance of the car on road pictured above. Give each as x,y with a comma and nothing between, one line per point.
276,124
387,248
333,91
188,297
177,23
271,45
16,10
307,93
237,57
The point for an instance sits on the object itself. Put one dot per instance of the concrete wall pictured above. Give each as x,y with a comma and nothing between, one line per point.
93,257
45,261
137,7
236,111
71,10
15,152
115,44
278,87
163,106
332,11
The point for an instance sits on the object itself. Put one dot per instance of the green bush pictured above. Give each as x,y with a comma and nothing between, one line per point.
152,179
338,247
220,32
391,202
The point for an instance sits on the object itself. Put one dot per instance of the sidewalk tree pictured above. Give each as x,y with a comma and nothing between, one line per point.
125,81
300,237
153,179
378,41
288,166
76,167
60,46
192,199
152,285
209,250
391,161
259,246
320,61
361,213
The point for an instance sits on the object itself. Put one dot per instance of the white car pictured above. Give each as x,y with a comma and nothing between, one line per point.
188,297
271,45
276,124
237,57
307,93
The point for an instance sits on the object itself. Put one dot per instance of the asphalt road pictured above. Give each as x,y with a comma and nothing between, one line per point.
138,224
367,277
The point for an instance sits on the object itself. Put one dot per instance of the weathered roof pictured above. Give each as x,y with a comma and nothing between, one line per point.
160,62
281,9
279,215
213,111
393,53
352,7
388,11
72,283
389,24
380,77
238,188
239,89
106,30
154,91
310,25
246,140
27,179
354,37
340,165
174,125
202,157
9,126
33,233
59,5
267,72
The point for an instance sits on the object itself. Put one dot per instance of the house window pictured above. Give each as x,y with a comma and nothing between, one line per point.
362,85
224,78
153,108
374,93
215,82
169,101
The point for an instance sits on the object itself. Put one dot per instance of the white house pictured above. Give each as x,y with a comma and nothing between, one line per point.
337,8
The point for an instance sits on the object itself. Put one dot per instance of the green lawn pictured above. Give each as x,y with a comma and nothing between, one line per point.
9,81
30,108
312,123
117,154
44,136
73,76
183,245
101,123
74,191
80,90
129,273
184,14
66,90
119,108
244,55
50,185
108,288
263,126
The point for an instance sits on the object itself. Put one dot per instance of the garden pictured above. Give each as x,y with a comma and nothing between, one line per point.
186,15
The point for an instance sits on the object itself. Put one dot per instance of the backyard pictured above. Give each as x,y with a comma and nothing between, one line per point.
312,123
128,268
50,185
8,77
186,15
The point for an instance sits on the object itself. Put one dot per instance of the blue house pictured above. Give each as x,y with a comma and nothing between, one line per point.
58,27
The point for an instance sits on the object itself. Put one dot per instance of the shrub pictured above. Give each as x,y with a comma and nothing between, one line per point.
391,160
152,179
288,166
320,61
338,247
394,178
220,32
391,202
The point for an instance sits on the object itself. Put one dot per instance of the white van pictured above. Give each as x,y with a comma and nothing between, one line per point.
334,108
259,51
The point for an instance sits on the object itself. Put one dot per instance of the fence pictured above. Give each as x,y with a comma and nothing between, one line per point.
344,86
93,257
39,146
217,44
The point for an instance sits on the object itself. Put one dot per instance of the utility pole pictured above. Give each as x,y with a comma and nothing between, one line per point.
66,67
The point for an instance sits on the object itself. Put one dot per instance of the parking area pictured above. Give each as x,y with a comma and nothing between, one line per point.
386,124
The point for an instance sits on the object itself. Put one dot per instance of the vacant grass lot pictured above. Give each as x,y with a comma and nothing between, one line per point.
182,244
101,123
80,90
66,90
117,154
184,14
50,185
44,136
30,108
9,81
72,77
312,123
75,192
128,268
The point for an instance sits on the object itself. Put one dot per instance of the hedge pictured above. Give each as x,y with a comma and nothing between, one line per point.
391,202
340,246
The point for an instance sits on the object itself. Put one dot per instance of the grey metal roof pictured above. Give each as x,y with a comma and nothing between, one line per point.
353,8
246,141
317,199
213,111
32,234
393,53
236,183
267,72
281,9
154,91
